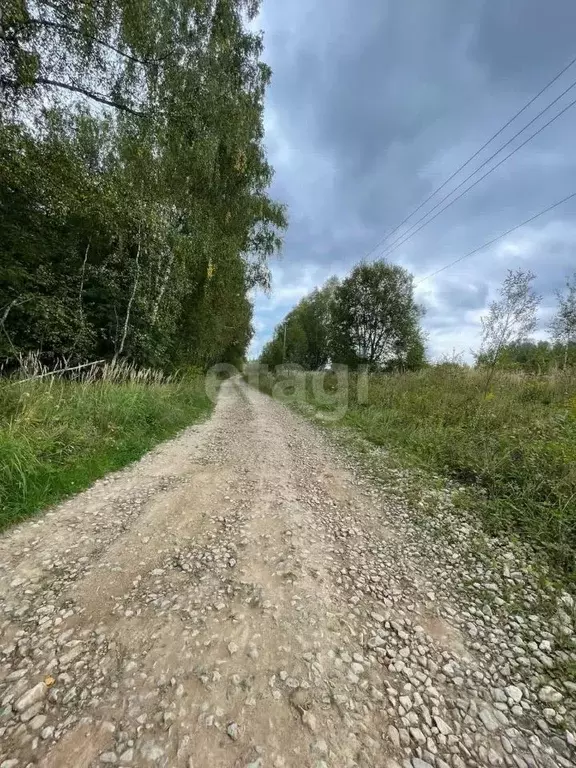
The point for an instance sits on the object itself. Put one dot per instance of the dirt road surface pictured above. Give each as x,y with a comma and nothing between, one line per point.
242,597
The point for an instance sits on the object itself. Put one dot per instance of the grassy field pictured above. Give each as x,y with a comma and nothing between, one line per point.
510,447
57,436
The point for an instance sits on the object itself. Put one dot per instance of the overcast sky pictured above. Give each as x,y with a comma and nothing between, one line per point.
374,103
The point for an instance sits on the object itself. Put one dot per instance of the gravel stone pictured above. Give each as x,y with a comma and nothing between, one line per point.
489,719
233,730
249,563
549,695
31,697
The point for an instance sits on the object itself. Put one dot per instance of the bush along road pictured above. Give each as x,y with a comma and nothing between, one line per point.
249,595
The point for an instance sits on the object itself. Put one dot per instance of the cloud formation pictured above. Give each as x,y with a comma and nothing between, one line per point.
372,106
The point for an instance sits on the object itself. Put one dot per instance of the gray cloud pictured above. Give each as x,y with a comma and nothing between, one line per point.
371,108
517,41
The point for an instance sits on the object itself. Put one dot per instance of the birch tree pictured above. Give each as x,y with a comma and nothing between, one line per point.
563,325
134,210
510,319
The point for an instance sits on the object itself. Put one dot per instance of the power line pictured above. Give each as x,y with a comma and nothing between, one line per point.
409,234
495,239
482,148
492,158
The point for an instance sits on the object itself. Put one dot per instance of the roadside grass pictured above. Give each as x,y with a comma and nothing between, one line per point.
510,451
57,436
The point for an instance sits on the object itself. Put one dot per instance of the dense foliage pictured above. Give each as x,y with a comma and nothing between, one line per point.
369,318
134,215
533,356
304,335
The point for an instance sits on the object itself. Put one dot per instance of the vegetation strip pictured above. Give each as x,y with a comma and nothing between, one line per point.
135,217
58,436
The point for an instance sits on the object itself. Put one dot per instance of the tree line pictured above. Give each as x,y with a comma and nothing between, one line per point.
369,318
134,212
372,319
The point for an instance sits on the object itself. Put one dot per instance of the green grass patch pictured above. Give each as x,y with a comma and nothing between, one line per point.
57,437
511,450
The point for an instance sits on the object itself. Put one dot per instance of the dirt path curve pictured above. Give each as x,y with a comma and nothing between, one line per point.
235,599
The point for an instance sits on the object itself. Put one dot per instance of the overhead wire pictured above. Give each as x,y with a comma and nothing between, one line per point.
495,239
478,152
409,234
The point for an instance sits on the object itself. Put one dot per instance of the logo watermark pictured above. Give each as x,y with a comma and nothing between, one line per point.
328,392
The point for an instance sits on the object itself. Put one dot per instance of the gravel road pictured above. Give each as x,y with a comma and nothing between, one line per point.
246,596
